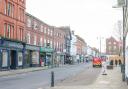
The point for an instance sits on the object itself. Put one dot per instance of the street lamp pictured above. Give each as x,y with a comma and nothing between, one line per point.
100,38
123,5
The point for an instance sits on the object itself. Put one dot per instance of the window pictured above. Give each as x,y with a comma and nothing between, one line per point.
35,25
21,34
48,31
42,28
44,42
5,28
41,42
115,47
114,42
45,28
22,1
21,14
28,38
12,11
35,40
51,32
28,22
9,9
51,43
12,32
8,31
109,48
5,7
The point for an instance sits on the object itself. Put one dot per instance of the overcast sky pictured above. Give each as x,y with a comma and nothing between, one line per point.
88,18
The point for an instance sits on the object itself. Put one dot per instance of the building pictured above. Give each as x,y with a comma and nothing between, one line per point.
12,26
95,52
39,39
73,49
59,43
113,49
112,46
80,49
67,45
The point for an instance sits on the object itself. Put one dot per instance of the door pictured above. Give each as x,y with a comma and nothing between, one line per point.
13,59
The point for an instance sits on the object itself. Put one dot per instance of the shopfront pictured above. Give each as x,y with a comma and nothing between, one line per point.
11,54
31,58
46,56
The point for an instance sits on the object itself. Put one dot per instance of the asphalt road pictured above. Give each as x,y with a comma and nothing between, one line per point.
35,80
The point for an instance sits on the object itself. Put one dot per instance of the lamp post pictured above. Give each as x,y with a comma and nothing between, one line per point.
123,5
100,38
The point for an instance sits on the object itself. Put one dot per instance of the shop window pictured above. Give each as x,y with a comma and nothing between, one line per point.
35,57
20,59
4,58
27,57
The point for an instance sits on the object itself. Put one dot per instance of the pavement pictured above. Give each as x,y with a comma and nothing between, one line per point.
21,71
25,70
113,80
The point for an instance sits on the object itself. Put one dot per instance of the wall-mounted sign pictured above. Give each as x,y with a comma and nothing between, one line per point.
30,47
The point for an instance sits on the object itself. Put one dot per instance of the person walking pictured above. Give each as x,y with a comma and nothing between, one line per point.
116,62
104,67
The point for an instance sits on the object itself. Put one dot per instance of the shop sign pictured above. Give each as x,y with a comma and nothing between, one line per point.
29,47
43,49
12,44
15,45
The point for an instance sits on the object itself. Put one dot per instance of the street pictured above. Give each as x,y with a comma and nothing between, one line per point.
35,80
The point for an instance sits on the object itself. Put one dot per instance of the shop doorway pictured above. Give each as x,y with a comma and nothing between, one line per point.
13,59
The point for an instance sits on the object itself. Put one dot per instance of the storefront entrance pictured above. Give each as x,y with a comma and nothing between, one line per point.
13,59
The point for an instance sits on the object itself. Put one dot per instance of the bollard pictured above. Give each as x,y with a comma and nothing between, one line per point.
52,79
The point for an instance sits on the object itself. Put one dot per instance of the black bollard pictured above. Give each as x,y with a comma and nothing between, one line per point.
52,79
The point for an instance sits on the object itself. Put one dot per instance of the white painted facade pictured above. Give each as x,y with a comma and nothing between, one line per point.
73,49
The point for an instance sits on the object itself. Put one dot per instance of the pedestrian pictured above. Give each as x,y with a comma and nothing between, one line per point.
104,67
116,62
120,62
111,62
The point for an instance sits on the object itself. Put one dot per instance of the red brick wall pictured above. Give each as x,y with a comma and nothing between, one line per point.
59,38
13,19
110,43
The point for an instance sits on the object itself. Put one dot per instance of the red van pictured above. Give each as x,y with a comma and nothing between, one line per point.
97,61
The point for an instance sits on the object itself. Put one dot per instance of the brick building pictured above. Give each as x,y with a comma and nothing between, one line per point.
80,48
39,35
12,25
67,45
59,45
112,46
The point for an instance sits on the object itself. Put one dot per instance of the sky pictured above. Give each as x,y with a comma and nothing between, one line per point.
90,19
